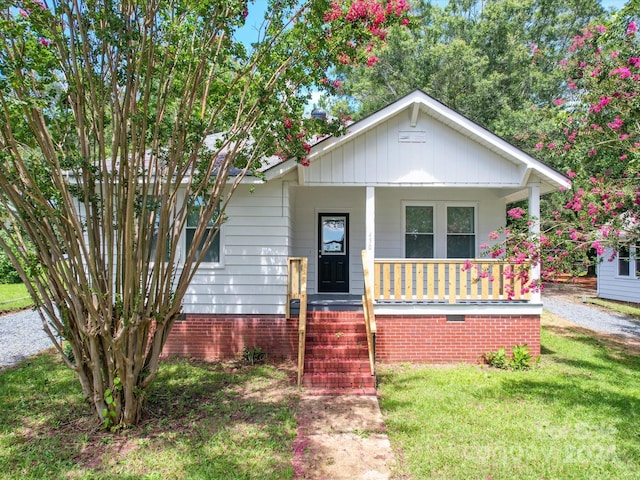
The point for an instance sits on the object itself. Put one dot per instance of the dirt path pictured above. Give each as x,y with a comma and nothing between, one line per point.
341,437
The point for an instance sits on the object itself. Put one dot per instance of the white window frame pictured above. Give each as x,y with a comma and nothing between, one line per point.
473,205
634,262
403,216
221,237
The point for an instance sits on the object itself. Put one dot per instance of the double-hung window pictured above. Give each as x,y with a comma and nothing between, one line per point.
212,255
629,262
419,231
439,230
461,236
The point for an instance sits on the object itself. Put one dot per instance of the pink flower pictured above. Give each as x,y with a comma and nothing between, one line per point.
337,83
634,62
571,173
616,124
632,28
558,101
287,123
622,72
516,213
305,162
601,28
539,146
45,42
494,235
372,60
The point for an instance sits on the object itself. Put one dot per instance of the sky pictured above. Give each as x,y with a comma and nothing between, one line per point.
249,33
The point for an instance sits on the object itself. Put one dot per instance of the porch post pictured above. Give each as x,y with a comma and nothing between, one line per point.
534,230
370,228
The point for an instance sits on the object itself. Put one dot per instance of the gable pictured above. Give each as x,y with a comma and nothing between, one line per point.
417,140
428,153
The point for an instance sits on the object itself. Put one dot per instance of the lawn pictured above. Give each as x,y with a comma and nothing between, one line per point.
204,421
575,416
14,296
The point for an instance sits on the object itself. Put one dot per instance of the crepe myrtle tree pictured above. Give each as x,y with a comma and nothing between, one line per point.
106,106
598,147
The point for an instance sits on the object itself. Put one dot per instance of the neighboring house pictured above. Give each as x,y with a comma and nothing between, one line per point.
619,275
416,185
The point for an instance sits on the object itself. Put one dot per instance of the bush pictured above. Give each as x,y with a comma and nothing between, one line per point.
521,358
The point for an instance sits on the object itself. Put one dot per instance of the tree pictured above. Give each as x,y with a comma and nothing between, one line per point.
107,108
490,60
597,144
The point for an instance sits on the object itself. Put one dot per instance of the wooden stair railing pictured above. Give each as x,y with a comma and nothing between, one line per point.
297,290
369,316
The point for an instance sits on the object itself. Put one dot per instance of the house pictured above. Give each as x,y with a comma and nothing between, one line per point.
401,200
619,275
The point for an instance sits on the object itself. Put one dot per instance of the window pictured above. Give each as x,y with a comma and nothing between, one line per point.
213,253
623,262
461,238
628,257
418,231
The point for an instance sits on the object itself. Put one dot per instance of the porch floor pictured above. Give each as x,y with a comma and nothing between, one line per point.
329,302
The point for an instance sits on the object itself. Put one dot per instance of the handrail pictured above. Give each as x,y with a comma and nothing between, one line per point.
297,290
448,280
369,315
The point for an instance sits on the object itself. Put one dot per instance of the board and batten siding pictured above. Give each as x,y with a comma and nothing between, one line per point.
614,287
431,153
255,245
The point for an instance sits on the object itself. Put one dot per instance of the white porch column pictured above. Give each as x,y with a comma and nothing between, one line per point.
370,229
534,230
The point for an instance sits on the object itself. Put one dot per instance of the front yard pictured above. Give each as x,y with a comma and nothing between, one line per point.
575,416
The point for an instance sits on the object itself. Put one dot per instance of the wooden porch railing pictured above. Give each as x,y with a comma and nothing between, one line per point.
369,316
446,281
297,290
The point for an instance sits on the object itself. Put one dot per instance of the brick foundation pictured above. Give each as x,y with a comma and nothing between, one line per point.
433,339
421,339
216,337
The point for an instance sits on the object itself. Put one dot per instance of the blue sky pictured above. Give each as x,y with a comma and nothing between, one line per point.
256,14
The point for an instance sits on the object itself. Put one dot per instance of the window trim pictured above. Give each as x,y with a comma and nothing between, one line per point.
633,262
221,245
473,205
403,216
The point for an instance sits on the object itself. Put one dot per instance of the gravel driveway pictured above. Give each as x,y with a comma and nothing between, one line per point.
21,335
565,301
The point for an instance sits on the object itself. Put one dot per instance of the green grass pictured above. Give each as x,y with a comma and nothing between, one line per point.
14,296
204,421
631,309
575,416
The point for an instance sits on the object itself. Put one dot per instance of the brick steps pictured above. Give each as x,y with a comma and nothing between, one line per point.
336,355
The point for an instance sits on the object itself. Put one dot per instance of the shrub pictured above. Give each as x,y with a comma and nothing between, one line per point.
521,358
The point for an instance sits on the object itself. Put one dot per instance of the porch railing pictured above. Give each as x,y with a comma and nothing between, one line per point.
447,281
297,290
369,316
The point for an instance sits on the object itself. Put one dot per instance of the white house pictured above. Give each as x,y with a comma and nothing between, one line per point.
415,185
619,275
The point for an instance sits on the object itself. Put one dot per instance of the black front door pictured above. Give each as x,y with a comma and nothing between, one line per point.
333,252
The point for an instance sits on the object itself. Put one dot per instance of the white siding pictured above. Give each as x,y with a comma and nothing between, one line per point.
613,286
490,215
253,275
435,155
312,201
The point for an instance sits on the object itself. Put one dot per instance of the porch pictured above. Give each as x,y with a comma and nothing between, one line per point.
422,305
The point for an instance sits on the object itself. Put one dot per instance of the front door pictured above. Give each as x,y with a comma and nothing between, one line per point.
333,252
